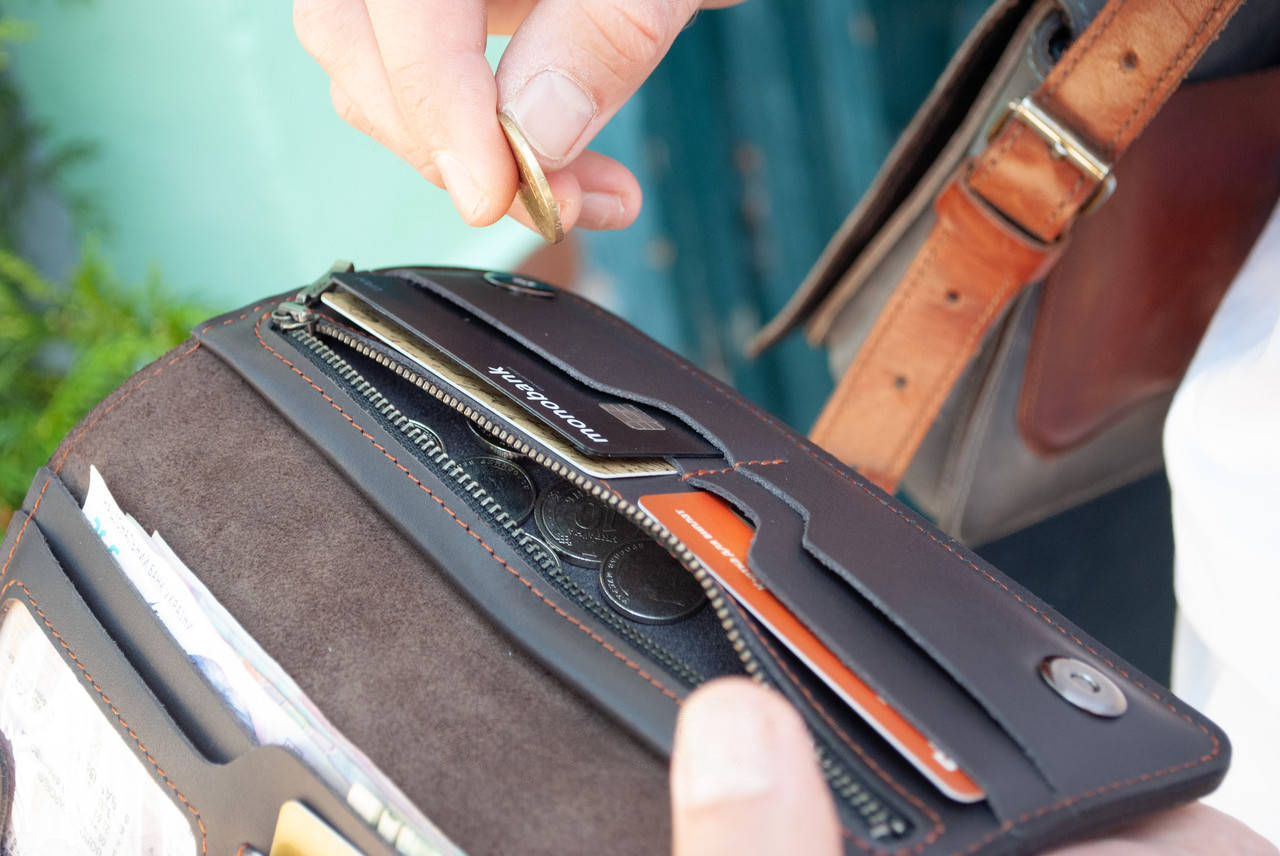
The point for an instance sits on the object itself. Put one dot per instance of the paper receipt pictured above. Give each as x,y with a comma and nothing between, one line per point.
78,789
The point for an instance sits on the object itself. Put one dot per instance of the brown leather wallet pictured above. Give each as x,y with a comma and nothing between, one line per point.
313,459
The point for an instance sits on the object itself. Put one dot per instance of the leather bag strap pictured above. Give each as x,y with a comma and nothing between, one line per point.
1002,220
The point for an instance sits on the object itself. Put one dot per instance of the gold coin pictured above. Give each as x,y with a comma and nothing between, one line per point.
535,191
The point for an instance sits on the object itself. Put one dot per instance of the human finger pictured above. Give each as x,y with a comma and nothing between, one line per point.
744,779
433,52
1186,831
505,15
339,36
572,63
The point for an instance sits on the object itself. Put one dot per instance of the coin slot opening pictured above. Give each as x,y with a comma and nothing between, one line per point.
560,532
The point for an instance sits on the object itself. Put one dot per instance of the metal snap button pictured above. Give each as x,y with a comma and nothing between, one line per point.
519,284
1083,686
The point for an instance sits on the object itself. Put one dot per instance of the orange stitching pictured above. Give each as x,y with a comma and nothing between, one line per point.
1058,77
35,506
883,324
1165,73
939,389
252,309
1111,144
76,440
1085,48
939,828
731,469
1089,794
817,457
22,530
492,553
204,847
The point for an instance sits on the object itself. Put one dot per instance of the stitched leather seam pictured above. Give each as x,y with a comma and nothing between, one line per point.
73,443
852,479
1110,147
1173,63
1025,817
939,390
35,506
1085,49
731,469
857,482
204,846
900,299
479,539
939,828
993,160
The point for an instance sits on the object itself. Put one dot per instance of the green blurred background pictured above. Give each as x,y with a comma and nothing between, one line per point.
163,162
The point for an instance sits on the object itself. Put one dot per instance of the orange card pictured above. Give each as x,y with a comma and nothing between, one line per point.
720,539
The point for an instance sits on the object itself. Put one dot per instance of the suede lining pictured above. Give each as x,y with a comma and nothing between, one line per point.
494,749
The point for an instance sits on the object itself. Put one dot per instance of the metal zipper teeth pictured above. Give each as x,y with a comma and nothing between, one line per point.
455,471
881,820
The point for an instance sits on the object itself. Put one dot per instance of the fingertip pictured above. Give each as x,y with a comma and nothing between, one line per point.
481,200
568,195
743,776
611,196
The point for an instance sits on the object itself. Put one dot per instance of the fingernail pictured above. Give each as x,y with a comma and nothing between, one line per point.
722,755
461,186
601,211
553,110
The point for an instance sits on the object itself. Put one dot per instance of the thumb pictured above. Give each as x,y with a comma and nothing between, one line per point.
573,63
744,780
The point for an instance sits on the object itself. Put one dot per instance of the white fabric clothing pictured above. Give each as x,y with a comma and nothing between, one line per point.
1222,449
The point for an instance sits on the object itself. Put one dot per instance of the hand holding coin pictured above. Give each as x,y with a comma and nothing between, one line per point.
535,191
414,77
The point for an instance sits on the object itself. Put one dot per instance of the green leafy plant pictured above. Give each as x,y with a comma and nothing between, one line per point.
64,345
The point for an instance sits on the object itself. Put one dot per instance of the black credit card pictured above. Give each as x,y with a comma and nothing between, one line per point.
595,422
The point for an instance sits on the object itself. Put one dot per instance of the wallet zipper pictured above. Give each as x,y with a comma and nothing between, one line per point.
458,474
299,322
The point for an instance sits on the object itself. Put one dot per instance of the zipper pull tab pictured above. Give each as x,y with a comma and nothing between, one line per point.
307,295
291,315
296,313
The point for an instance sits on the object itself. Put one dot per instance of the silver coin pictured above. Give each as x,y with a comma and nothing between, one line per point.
430,434
581,527
507,482
643,582
491,442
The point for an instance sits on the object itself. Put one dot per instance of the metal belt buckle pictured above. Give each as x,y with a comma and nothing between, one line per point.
1063,143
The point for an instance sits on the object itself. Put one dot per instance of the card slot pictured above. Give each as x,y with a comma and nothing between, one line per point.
606,353
878,652
226,804
150,648
594,420
991,636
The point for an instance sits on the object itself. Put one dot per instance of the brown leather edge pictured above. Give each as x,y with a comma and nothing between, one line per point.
916,149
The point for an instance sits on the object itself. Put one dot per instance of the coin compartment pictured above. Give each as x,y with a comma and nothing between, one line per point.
691,650
699,641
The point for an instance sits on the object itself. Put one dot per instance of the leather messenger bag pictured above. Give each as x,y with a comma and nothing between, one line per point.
423,561
1010,307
